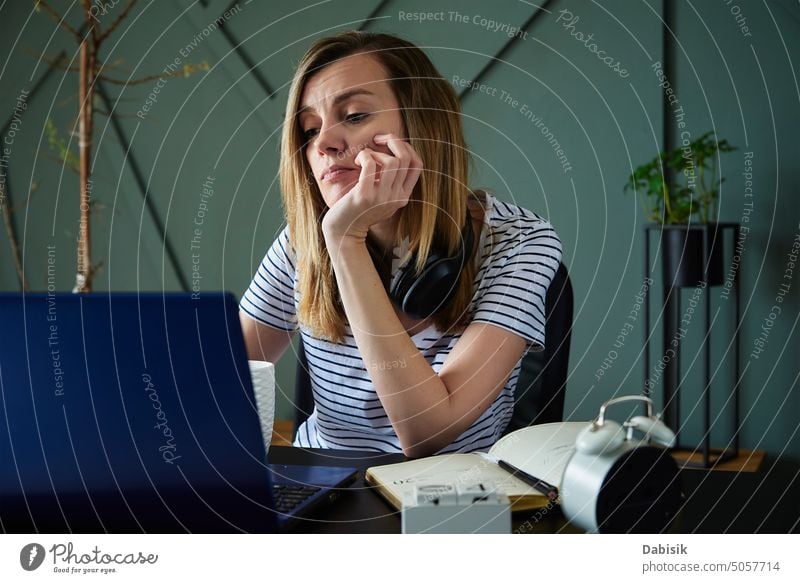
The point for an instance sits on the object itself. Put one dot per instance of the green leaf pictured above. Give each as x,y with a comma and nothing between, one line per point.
681,202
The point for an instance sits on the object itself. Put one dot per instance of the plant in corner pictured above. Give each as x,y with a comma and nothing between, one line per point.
683,208
671,204
677,200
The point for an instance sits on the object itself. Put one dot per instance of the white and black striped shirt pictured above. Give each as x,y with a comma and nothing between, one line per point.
517,257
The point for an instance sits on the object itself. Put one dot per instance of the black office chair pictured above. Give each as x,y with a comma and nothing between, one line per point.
539,396
303,394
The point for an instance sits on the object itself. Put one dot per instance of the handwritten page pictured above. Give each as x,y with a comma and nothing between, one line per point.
540,450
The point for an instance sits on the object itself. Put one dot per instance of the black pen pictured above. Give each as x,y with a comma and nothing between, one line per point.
539,485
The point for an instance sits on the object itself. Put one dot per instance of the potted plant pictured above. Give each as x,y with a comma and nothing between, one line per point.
679,190
686,207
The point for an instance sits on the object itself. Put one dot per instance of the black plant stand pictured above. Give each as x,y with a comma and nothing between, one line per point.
700,273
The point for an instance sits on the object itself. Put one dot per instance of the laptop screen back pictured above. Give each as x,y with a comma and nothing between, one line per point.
129,405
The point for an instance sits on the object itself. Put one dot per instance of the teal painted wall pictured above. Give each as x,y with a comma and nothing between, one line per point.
220,123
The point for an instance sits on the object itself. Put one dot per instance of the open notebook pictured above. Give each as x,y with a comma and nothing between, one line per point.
540,450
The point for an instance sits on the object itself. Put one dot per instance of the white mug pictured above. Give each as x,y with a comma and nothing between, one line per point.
263,376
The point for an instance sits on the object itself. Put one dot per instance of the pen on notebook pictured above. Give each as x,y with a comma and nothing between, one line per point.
539,485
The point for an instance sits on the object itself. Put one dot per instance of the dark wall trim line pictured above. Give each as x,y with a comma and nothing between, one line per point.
373,14
668,51
506,47
138,175
35,89
245,57
12,223
12,226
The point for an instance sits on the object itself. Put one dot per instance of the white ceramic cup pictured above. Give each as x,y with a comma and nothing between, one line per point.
263,375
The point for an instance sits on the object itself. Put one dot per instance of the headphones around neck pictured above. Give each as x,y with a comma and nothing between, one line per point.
424,295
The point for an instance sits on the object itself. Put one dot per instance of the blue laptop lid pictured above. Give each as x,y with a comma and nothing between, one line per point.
143,400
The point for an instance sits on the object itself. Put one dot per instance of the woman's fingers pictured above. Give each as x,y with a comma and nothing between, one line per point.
411,163
394,175
392,172
366,178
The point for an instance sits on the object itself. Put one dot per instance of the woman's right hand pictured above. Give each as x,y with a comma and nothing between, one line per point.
384,186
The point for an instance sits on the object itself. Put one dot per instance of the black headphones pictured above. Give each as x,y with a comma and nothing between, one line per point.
424,295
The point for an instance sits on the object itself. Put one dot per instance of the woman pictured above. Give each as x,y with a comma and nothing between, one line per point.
374,182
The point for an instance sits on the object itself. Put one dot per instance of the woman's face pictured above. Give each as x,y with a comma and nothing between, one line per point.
342,107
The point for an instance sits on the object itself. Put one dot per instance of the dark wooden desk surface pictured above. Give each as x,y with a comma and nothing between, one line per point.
767,501
716,502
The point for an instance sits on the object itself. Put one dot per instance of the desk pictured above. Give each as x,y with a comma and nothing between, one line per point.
716,502
767,501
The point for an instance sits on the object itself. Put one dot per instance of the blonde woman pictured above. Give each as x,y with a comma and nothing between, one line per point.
374,182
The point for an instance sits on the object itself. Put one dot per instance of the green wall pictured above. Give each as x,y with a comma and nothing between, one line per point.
221,123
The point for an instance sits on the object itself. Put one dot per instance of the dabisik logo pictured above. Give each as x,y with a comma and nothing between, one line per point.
31,556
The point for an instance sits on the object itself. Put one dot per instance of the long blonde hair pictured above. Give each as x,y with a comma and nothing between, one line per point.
437,209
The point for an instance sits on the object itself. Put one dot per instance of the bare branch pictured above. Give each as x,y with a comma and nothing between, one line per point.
115,114
139,81
188,69
122,15
58,18
55,158
12,237
91,22
59,62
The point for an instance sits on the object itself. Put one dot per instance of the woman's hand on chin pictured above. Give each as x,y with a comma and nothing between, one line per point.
384,186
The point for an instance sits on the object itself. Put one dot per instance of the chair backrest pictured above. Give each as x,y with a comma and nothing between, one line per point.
539,396
303,395
542,383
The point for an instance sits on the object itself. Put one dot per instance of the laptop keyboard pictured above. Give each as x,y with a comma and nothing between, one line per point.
287,497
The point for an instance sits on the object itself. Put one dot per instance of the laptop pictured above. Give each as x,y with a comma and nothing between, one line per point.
124,412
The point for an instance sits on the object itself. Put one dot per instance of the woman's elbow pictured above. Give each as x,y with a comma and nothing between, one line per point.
417,451
261,341
421,445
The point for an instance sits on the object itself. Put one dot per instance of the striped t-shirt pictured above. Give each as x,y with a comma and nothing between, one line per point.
517,257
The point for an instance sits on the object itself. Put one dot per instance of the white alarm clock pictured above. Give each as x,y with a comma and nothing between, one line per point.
615,481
